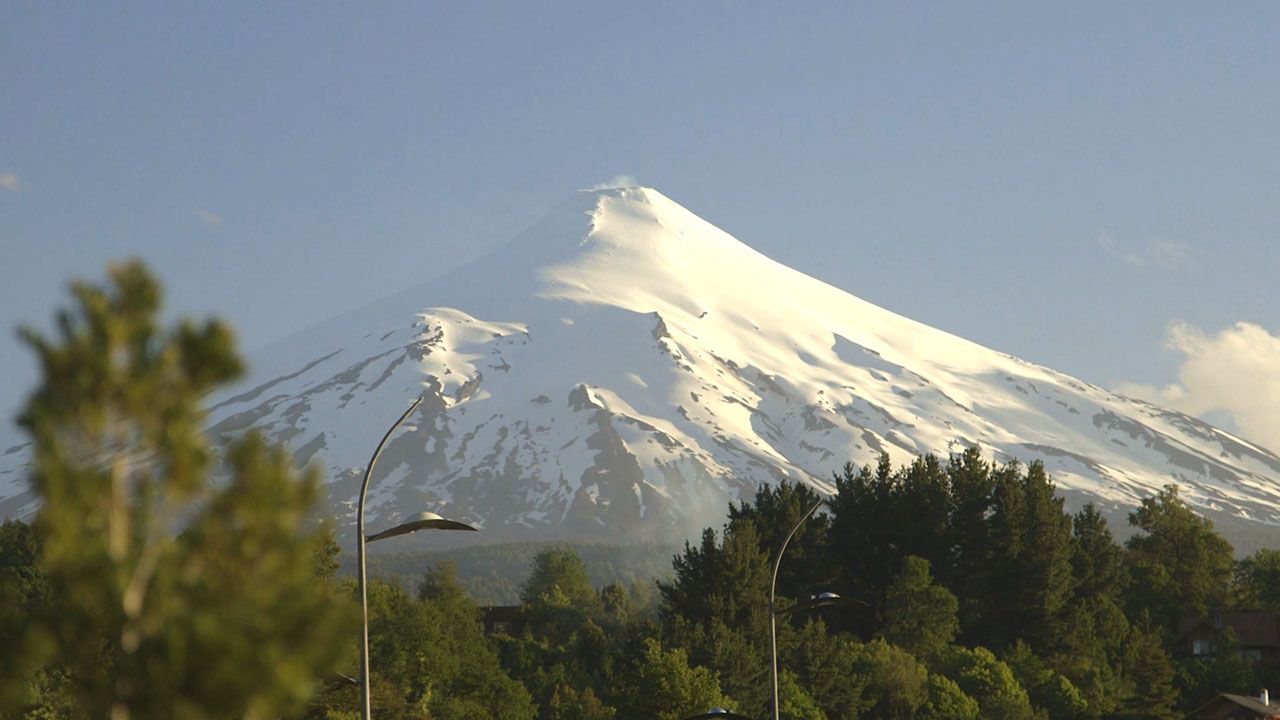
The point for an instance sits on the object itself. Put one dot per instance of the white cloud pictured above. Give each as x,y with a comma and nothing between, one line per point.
1236,372
9,181
1159,253
212,218
617,181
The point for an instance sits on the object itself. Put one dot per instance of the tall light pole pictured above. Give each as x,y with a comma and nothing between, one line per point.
424,521
773,607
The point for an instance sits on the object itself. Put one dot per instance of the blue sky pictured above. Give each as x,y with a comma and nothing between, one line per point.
1090,186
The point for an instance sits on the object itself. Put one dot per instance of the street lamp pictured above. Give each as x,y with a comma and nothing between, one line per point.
718,713
424,521
826,598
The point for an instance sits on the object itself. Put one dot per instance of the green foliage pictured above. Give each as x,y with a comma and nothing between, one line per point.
1149,672
494,574
920,616
989,681
558,579
662,685
793,702
1031,563
773,512
429,658
896,681
716,607
1179,565
569,704
134,614
1257,581
947,701
1048,690
719,581
1097,562
826,666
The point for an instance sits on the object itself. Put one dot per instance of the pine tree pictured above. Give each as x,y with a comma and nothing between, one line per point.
1150,674
1179,564
1031,579
925,507
716,607
1044,566
773,512
1097,560
968,571
171,596
920,616
865,541
1257,581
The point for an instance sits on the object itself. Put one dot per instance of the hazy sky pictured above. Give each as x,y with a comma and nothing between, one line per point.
1093,187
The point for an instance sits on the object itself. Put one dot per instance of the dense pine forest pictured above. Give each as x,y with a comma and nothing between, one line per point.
969,592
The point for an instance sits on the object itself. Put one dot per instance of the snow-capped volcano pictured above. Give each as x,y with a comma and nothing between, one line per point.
626,366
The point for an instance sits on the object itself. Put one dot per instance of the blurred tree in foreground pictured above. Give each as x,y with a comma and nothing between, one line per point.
167,595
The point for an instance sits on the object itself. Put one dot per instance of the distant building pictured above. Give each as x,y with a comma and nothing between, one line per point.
498,618
1237,707
1257,635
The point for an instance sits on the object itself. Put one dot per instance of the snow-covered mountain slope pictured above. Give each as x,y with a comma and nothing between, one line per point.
626,367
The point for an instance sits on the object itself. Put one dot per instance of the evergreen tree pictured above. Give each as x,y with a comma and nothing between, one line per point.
1097,560
719,581
170,596
865,542
1049,691
1044,580
826,666
1090,651
968,573
920,616
1257,581
773,512
1149,672
1180,566
1030,567
924,505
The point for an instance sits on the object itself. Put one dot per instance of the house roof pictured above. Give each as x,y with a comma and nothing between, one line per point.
1251,704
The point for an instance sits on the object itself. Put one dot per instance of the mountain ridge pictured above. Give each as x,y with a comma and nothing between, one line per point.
625,366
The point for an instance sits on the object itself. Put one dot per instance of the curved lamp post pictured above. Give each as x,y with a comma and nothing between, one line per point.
424,521
815,601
